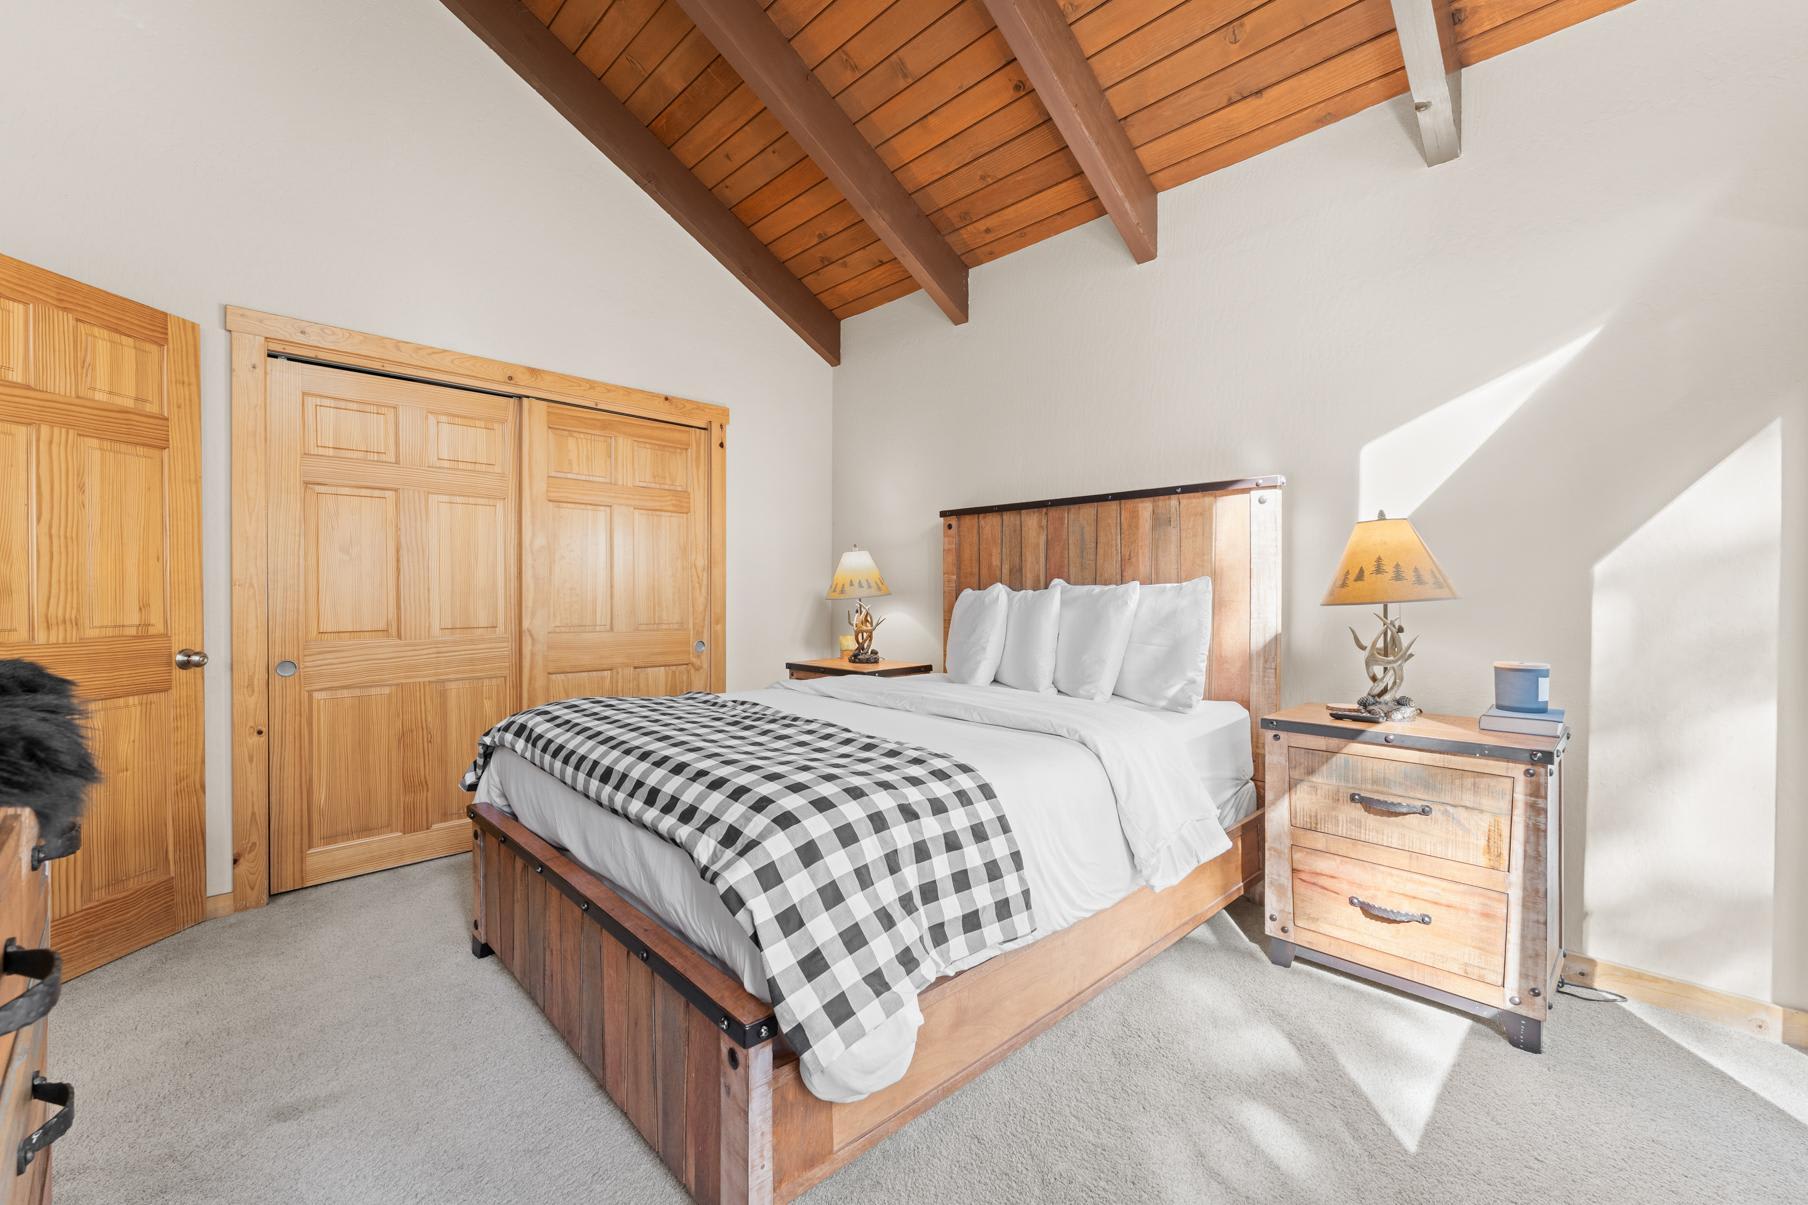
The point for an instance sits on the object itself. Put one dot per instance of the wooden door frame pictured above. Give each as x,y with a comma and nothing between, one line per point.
255,337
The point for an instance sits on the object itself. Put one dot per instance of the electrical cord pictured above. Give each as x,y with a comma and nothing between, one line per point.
1601,995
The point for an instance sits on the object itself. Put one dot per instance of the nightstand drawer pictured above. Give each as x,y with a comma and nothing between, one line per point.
1467,930
1463,815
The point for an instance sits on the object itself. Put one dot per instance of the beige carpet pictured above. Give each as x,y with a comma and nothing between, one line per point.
343,1046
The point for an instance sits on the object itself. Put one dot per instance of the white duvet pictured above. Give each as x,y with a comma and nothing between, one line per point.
1104,798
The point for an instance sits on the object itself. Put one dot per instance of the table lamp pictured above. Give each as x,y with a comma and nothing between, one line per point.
1386,562
858,578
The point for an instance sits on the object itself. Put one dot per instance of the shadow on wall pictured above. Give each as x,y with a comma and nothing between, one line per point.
1645,490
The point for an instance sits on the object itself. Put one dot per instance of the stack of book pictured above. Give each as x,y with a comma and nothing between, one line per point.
1527,723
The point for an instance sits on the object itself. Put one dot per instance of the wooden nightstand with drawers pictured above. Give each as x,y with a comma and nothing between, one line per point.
1424,856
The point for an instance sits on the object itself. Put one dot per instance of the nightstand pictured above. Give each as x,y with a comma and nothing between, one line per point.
832,667
1424,856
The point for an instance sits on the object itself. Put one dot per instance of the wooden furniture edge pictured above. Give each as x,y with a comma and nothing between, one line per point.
764,1120
1772,1022
1509,747
829,667
361,349
732,1008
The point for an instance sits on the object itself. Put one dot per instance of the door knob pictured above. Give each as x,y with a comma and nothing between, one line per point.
190,659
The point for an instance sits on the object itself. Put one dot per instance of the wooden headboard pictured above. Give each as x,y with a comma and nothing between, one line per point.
1229,531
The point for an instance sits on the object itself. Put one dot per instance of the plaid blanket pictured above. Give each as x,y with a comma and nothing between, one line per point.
861,867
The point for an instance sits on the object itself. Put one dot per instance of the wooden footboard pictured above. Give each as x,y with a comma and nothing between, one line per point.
694,1060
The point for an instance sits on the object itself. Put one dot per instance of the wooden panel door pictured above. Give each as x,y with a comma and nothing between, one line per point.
100,581
615,585
393,526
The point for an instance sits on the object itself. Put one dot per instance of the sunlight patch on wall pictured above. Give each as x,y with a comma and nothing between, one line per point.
1683,731
1403,468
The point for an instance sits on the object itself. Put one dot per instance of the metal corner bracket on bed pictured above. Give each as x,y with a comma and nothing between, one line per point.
694,1060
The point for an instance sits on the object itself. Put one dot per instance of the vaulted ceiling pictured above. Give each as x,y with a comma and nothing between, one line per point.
839,154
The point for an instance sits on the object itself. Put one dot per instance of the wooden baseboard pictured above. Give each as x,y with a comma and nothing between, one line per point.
1759,1018
216,906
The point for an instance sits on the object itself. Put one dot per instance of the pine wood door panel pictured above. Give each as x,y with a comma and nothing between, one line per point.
458,712
115,367
14,323
393,521
349,543
123,567
468,549
126,835
100,581
616,584
353,781
579,566
17,446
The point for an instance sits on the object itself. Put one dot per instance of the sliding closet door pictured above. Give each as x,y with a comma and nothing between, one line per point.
616,554
393,520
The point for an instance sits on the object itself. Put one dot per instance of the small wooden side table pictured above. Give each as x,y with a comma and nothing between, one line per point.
1423,855
835,667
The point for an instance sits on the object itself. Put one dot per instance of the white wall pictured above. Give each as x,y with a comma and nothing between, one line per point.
1576,355
375,166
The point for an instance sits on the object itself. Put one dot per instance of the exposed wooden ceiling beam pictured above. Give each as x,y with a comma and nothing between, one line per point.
538,57
1428,44
743,34
1045,45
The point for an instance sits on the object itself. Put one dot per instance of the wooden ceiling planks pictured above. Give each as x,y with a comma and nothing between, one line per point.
1040,38
789,80
933,88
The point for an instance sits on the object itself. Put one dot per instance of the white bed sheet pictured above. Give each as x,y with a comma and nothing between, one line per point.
1054,791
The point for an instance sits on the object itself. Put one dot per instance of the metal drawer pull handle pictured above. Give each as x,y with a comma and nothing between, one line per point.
35,1001
1391,915
52,848
1391,806
62,1095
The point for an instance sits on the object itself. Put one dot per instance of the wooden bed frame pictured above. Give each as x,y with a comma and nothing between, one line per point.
694,1060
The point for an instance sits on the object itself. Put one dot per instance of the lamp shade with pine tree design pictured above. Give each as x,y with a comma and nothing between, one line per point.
857,576
1386,562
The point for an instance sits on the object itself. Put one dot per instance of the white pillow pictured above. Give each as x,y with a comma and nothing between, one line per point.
1095,631
1164,666
1030,632
976,634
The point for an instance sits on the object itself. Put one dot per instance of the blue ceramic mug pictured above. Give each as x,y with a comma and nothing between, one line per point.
1522,686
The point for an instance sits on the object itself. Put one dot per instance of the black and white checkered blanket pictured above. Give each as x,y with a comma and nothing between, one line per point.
861,867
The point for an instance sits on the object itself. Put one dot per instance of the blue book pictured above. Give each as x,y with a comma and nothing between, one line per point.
1526,723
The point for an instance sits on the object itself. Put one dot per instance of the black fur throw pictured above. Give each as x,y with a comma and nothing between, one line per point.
44,760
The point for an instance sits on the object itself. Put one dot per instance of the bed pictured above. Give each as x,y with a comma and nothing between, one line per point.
639,966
